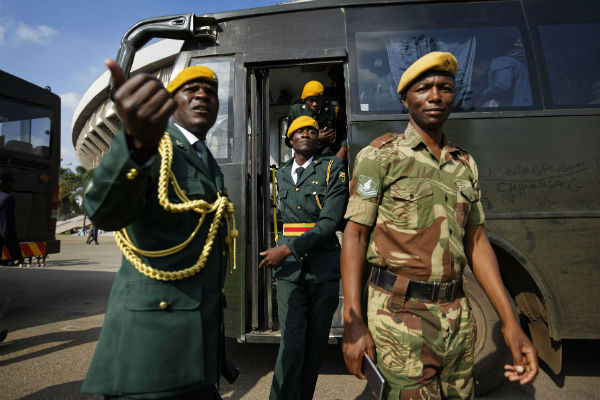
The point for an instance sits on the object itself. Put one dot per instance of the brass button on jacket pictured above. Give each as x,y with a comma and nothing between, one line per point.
163,305
132,174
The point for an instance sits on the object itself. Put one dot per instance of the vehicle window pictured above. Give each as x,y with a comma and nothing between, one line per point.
24,128
570,48
220,137
493,68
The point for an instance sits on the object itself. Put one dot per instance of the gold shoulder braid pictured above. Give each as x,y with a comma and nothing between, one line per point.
222,207
326,183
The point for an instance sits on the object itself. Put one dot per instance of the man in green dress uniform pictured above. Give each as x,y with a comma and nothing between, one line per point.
312,193
415,215
163,331
332,125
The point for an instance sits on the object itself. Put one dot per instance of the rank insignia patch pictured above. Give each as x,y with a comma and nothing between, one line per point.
367,186
342,176
315,182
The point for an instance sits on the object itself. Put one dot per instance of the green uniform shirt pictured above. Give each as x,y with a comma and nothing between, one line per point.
318,248
418,206
328,117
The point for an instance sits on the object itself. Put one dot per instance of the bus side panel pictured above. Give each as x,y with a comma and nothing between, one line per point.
538,177
534,164
314,34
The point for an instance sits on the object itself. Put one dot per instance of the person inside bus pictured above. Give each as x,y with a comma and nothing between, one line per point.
312,191
162,336
8,224
332,125
508,80
415,216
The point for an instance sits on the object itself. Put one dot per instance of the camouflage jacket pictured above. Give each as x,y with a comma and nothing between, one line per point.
417,206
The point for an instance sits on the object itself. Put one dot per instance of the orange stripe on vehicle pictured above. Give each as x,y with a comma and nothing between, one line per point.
28,249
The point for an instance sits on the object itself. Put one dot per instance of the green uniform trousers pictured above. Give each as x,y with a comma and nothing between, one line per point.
305,310
206,393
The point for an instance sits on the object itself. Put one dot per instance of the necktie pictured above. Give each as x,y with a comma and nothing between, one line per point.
299,172
201,148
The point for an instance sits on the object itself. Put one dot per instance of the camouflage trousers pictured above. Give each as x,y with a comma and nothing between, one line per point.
425,351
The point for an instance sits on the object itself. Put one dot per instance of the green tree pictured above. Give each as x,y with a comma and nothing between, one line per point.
70,191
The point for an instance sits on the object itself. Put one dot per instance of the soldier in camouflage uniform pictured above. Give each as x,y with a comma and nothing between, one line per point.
415,215
332,125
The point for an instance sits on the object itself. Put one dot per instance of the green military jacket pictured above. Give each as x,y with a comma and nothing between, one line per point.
318,248
328,117
143,348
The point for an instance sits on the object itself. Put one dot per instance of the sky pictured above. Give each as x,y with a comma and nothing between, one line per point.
63,43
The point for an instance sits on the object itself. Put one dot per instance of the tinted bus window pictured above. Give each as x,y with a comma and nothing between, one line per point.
493,73
567,35
24,128
220,137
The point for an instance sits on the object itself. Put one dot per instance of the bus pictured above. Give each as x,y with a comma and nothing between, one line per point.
30,148
527,107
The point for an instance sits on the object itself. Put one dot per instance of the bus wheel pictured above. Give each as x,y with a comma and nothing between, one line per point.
491,353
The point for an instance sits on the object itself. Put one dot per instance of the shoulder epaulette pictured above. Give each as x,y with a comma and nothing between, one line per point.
385,139
463,156
461,149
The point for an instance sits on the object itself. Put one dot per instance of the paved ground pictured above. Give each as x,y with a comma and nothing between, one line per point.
54,316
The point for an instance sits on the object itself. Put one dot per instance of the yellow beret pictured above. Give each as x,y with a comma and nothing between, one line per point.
312,88
301,122
190,74
434,61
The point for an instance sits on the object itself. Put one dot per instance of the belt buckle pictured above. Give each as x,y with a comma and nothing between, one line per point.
436,291
443,290
449,291
375,275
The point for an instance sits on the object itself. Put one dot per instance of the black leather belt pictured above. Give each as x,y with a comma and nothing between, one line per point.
431,291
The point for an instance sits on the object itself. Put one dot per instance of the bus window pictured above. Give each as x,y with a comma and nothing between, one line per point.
569,50
24,128
220,137
572,60
493,70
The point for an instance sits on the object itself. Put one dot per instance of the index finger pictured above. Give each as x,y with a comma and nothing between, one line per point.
116,73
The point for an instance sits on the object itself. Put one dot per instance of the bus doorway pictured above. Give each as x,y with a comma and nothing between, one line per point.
271,93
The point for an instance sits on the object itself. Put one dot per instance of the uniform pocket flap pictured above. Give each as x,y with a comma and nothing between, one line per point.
411,189
160,297
282,193
315,189
466,189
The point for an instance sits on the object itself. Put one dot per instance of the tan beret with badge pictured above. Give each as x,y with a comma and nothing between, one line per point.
191,74
312,88
443,62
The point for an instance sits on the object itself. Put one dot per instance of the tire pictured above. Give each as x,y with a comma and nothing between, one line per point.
491,353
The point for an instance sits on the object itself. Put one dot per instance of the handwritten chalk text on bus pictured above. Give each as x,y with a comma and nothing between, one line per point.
521,187
542,170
